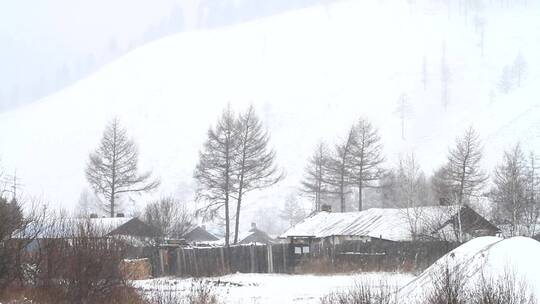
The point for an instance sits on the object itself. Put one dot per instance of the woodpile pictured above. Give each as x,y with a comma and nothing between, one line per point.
137,269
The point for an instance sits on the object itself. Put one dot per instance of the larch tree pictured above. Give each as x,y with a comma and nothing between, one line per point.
412,188
519,68
412,192
112,170
340,168
442,187
505,82
509,192
315,182
403,110
215,172
366,158
254,160
464,172
532,192
292,211
446,77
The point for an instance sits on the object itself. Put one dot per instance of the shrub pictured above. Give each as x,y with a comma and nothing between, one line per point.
362,293
450,287
200,292
503,290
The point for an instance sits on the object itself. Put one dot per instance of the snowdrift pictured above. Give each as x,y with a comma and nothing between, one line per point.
480,259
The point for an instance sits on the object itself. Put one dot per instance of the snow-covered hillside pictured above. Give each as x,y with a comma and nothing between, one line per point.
310,73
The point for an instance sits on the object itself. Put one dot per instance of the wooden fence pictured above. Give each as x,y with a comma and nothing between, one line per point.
281,258
212,261
379,255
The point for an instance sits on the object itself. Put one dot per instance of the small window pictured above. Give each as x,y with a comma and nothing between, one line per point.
301,249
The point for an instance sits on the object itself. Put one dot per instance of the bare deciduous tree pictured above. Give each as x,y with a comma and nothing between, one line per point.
505,82
403,109
292,211
113,168
169,217
442,186
341,168
532,206
446,77
366,158
316,176
254,160
519,68
509,192
215,172
464,171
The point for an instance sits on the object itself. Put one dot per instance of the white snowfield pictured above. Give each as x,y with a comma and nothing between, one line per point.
484,258
310,74
272,288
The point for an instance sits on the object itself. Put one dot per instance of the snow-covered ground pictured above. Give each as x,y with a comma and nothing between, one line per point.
273,288
484,258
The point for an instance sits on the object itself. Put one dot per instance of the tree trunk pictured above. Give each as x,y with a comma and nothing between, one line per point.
342,196
360,192
227,192
237,220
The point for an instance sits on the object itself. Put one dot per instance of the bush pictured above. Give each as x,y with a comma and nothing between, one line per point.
200,292
504,290
450,287
362,293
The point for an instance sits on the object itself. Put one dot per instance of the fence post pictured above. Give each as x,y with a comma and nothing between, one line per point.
284,259
270,259
252,258
161,267
196,262
222,260
179,265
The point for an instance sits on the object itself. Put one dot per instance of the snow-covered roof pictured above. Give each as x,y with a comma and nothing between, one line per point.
71,227
395,224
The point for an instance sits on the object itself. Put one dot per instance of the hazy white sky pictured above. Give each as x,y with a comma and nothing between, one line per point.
78,25
38,38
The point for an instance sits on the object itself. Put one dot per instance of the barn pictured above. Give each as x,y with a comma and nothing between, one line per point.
431,223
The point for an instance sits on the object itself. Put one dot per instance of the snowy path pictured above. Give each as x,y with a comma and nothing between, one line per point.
273,288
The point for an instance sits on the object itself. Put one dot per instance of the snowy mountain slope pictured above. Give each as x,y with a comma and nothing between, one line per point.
310,73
